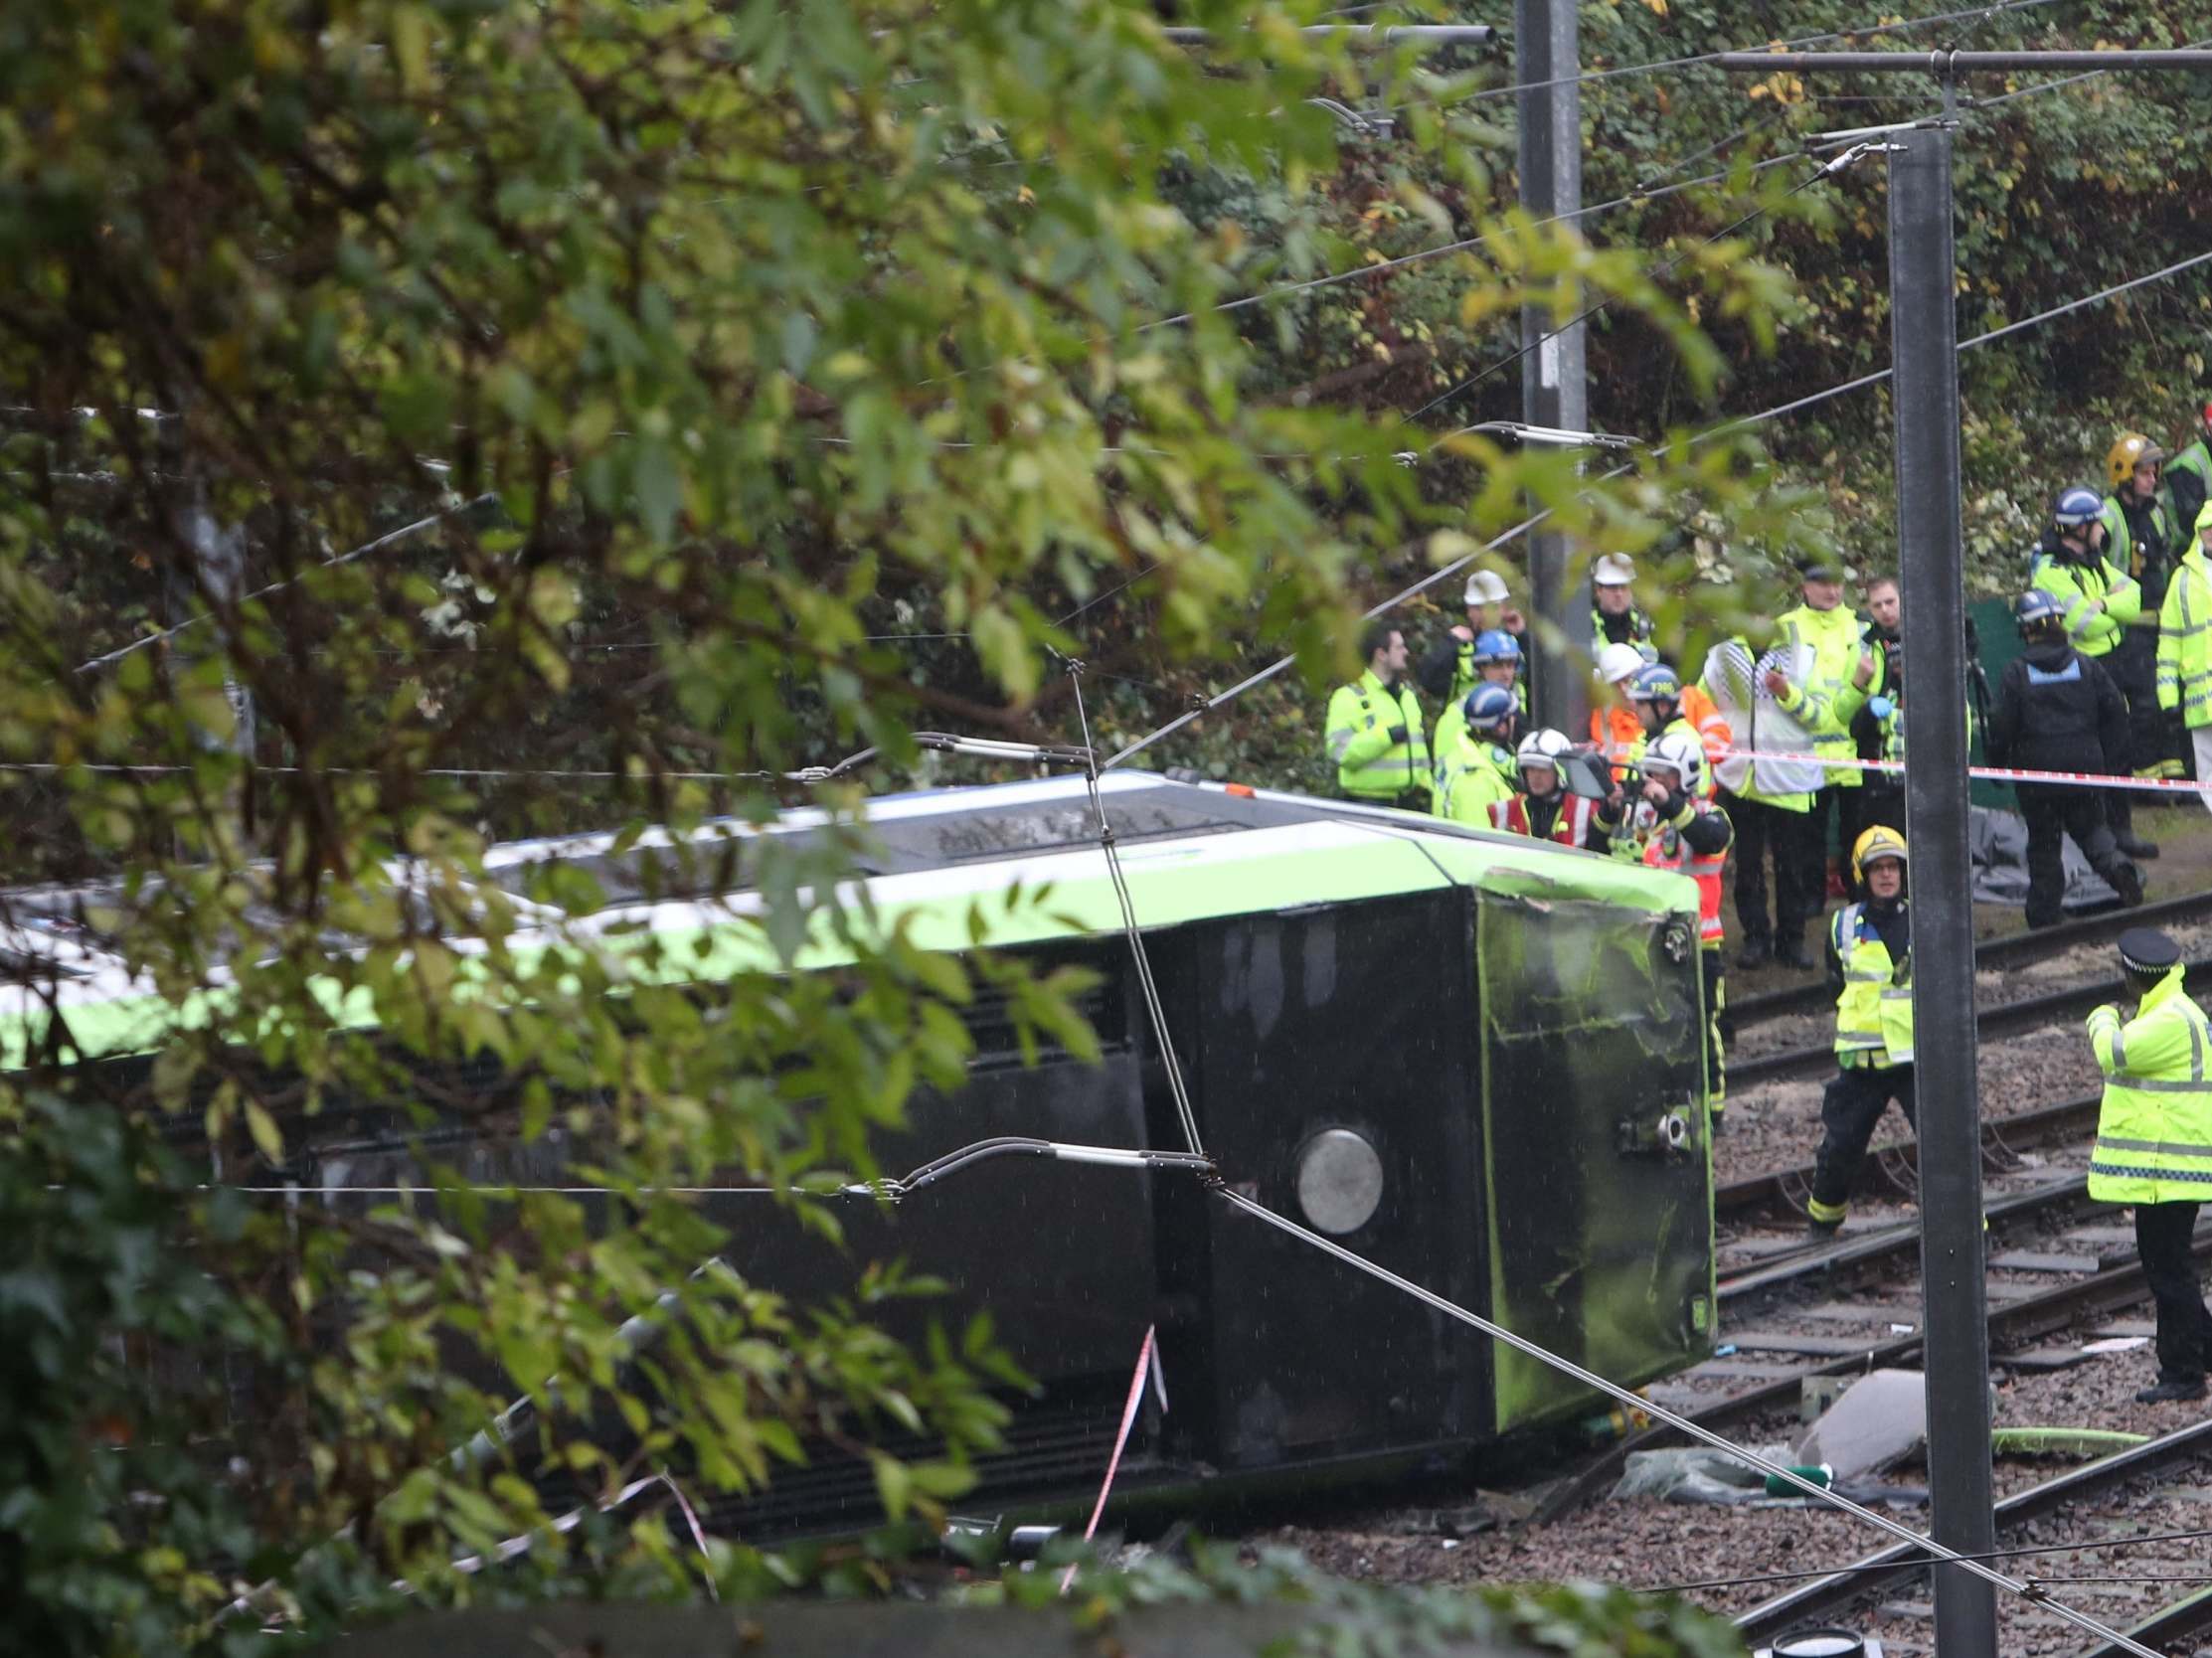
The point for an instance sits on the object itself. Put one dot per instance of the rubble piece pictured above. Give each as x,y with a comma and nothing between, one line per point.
2035,1260
2060,1441
1877,1423
1788,1341
2044,1359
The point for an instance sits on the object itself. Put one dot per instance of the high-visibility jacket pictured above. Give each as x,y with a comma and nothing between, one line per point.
1570,825
1631,627
1874,1011
1475,776
1829,701
1664,848
2078,585
1451,725
1370,764
2185,640
2147,565
2155,1128
2190,478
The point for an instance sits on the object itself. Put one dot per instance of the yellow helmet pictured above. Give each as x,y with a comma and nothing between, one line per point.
2132,451
1873,845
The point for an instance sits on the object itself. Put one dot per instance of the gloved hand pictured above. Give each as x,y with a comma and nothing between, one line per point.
1398,734
1880,706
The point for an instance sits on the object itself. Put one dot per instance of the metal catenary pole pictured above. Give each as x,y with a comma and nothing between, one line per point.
1554,388
1924,351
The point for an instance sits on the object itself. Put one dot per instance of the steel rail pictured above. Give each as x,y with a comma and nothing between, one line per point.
2011,949
2167,1627
1771,1188
2009,1322
1823,1596
2002,1020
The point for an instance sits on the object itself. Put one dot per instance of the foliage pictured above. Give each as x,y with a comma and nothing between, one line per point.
588,388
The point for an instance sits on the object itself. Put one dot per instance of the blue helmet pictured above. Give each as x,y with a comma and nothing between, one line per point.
2077,506
1495,645
2035,606
1489,707
1655,682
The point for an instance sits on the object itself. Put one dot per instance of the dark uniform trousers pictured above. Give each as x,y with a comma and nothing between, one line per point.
2163,1234
1793,838
2133,667
2049,813
1849,1109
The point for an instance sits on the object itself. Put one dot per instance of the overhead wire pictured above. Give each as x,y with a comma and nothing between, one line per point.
1753,1579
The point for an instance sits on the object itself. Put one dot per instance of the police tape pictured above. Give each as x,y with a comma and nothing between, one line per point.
1988,773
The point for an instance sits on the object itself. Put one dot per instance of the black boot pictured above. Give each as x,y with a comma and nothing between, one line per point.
1756,954
2127,883
2169,1392
1791,952
2122,816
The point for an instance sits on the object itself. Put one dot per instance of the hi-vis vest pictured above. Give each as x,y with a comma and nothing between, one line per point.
1666,850
1476,777
1569,827
2076,587
1874,1015
2119,538
2185,641
1369,767
2154,1129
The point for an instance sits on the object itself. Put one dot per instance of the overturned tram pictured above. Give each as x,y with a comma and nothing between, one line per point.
1471,1058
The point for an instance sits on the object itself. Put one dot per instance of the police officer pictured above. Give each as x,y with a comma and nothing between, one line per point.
1677,826
1614,619
1843,674
2185,647
1543,809
1377,735
2155,1146
1870,968
2059,711
2097,600
1876,730
2141,538
1480,771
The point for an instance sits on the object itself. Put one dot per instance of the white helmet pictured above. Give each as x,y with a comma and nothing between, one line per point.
1617,662
1542,747
1614,570
1681,754
1486,587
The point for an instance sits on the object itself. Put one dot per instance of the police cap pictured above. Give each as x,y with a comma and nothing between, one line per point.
2145,950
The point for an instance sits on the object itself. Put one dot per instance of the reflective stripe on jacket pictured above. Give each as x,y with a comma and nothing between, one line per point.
2077,587
1369,765
2185,640
1827,703
1570,825
1874,1012
2155,1128
1474,777
1666,850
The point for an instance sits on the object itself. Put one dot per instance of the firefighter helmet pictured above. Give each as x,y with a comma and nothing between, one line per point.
1542,748
1679,753
2131,450
1873,845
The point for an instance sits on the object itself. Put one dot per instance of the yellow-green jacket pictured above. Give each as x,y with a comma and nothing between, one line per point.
2185,640
1369,765
2078,588
1827,702
1476,775
2154,1129
1874,1010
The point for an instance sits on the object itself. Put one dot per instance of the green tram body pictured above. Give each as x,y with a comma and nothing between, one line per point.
1510,1028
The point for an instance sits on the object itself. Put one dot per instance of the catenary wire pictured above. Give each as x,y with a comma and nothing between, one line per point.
1754,1578
1683,1425
1743,425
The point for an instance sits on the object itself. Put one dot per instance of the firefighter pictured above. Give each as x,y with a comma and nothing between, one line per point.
2142,538
1678,827
1543,809
2155,1146
2059,711
1870,968
1480,771
1615,619
1662,702
2097,600
1378,739
2186,646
